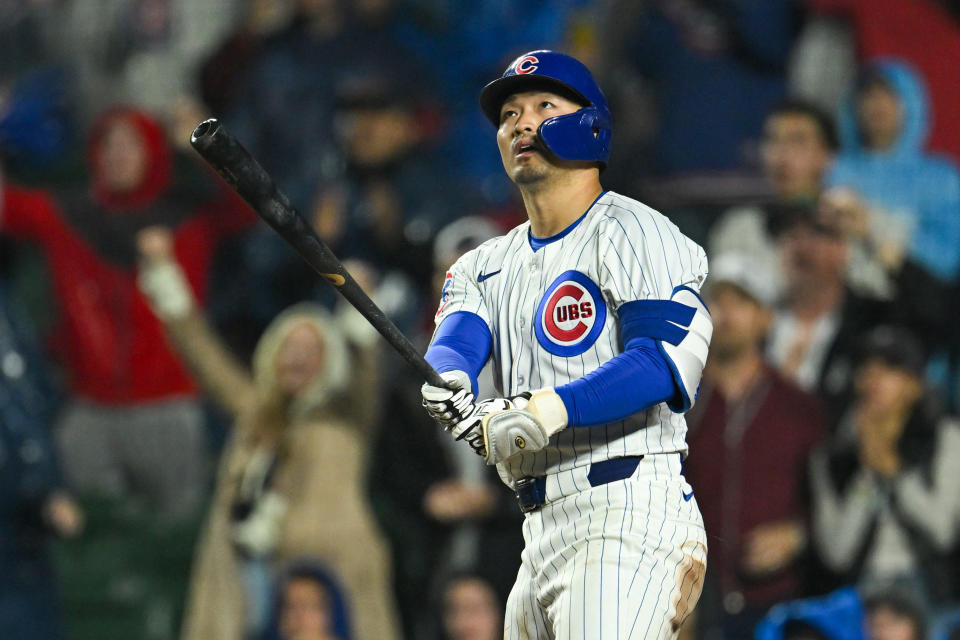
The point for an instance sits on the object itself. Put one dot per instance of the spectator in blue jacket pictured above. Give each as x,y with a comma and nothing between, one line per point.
845,615
883,128
836,616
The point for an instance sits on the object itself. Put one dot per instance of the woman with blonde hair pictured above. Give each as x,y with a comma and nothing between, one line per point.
291,480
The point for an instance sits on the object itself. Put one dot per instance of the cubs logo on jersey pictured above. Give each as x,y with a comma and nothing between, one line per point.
571,315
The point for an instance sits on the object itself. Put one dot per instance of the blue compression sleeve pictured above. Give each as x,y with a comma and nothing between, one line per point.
463,342
632,381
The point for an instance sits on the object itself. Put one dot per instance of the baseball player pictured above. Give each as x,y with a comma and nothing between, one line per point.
591,315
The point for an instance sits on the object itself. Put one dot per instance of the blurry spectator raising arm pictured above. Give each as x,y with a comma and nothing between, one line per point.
291,479
171,298
219,371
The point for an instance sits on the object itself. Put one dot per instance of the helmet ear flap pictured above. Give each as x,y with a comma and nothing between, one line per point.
582,136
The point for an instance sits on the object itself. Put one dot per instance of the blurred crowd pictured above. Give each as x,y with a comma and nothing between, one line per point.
199,440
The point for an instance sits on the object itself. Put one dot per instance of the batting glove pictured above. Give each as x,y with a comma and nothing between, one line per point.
501,428
451,404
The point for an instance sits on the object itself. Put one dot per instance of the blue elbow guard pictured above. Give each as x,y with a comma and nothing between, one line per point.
682,328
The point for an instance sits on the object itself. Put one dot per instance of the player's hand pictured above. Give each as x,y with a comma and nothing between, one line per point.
501,428
451,404
471,427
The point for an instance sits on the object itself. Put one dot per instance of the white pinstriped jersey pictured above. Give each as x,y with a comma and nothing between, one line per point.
552,315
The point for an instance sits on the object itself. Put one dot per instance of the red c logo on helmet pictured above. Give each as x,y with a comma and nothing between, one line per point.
526,64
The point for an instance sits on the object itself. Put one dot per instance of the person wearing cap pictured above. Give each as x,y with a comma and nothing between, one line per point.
885,506
750,437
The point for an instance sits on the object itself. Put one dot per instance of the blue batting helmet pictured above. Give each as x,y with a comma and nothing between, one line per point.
582,136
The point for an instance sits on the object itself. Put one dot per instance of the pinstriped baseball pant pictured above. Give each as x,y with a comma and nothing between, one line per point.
621,560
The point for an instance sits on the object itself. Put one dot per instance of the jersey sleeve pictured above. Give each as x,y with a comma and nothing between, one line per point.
651,275
462,339
461,291
644,256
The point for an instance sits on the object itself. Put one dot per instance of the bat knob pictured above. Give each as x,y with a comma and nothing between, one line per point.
204,131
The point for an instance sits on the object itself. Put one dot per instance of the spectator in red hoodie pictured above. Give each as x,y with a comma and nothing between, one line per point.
133,420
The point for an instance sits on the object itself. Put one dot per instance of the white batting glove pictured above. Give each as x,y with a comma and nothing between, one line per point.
451,404
500,429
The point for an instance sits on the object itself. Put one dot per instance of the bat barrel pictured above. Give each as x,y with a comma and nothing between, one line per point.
241,171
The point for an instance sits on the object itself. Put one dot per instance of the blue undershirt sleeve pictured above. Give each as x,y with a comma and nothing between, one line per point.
632,381
636,379
463,342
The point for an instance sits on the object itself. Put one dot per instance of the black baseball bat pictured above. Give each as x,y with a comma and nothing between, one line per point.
244,174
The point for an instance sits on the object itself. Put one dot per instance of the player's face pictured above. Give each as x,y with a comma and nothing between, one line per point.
795,155
300,359
523,156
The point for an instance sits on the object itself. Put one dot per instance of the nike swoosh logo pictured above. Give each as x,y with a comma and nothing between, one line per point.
484,276
687,496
